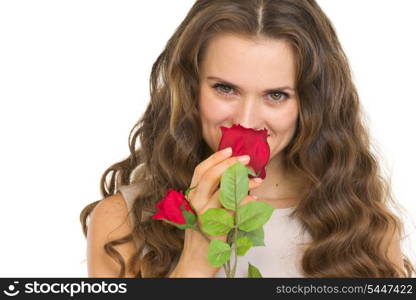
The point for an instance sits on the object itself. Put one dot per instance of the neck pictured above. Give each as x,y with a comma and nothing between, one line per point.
280,189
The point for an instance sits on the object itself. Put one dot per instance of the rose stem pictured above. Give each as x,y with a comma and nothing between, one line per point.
235,255
226,269
203,233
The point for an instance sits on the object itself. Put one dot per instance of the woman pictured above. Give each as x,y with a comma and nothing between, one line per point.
264,64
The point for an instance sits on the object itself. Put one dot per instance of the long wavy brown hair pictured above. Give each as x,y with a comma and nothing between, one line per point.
345,209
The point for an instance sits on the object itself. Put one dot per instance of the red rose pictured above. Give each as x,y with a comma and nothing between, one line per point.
247,141
174,208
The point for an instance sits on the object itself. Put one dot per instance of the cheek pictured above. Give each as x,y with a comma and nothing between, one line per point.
290,126
284,124
284,130
213,111
290,115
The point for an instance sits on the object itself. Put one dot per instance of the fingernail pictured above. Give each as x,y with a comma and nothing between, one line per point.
227,151
258,180
244,158
255,197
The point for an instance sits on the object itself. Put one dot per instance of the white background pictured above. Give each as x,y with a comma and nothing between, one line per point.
74,79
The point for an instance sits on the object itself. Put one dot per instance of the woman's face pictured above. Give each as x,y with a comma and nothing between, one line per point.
247,83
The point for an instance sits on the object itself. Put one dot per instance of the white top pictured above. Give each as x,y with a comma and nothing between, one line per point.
280,257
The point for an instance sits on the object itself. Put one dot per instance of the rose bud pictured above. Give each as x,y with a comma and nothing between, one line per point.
175,209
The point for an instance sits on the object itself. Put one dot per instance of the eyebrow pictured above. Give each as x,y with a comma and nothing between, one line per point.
238,88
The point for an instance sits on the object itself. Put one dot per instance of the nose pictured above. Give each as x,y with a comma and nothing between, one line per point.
248,114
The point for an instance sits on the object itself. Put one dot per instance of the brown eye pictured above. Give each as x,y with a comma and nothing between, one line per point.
222,88
280,96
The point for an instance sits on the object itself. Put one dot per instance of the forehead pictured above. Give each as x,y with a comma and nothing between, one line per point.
267,61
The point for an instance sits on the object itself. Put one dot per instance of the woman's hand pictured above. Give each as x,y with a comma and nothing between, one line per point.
207,175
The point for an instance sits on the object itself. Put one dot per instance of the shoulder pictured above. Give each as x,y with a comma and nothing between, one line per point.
111,210
108,221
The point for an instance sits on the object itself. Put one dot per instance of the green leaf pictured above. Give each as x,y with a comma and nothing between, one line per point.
218,252
233,186
253,215
189,217
249,171
180,226
243,245
256,236
253,272
216,221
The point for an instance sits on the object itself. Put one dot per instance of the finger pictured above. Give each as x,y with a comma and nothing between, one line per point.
210,180
254,183
248,199
214,200
212,160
